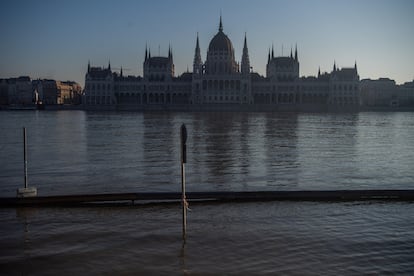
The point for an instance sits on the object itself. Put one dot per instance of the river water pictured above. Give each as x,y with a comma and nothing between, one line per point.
72,152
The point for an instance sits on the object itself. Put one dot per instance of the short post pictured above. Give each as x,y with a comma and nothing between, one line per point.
183,161
26,191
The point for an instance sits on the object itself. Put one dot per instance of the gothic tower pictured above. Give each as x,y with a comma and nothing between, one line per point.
197,63
245,62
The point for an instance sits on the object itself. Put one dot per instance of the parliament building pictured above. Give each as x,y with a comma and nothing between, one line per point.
220,83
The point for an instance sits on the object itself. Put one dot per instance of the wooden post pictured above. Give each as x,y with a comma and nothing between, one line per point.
183,161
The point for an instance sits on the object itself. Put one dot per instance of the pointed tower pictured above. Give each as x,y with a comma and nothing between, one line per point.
319,72
109,65
149,53
355,66
291,55
269,61
220,25
268,57
334,67
273,52
146,52
296,52
170,55
245,61
89,66
121,72
197,63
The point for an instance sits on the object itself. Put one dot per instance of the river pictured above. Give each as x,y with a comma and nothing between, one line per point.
73,152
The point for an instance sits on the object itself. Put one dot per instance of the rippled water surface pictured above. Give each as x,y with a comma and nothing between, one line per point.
84,152
255,238
78,152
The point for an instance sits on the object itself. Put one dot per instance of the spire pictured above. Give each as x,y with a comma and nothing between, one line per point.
273,53
245,62
146,52
220,25
334,68
296,52
197,63
109,65
268,56
89,66
149,52
319,72
291,55
121,72
170,56
355,66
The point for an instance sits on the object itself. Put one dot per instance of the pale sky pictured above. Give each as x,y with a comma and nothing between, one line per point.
56,38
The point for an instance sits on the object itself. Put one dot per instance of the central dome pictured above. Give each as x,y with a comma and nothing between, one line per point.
220,41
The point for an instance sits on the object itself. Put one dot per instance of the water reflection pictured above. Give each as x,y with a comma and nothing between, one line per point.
93,152
220,145
244,151
114,149
327,149
56,149
24,216
280,146
160,160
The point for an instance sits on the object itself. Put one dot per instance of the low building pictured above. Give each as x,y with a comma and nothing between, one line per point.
4,92
406,94
382,92
52,92
20,91
68,92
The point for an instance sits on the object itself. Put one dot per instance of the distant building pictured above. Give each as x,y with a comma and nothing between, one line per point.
406,94
99,85
221,83
52,92
69,92
385,93
16,91
4,92
220,80
379,93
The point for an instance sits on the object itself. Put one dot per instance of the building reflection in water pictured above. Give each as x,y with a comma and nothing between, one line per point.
244,151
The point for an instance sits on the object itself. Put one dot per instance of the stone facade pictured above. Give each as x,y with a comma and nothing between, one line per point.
16,91
385,93
221,83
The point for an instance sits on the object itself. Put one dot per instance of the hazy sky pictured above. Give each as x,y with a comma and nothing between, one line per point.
55,39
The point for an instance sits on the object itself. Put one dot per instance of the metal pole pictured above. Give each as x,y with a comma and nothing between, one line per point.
25,157
183,200
183,161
